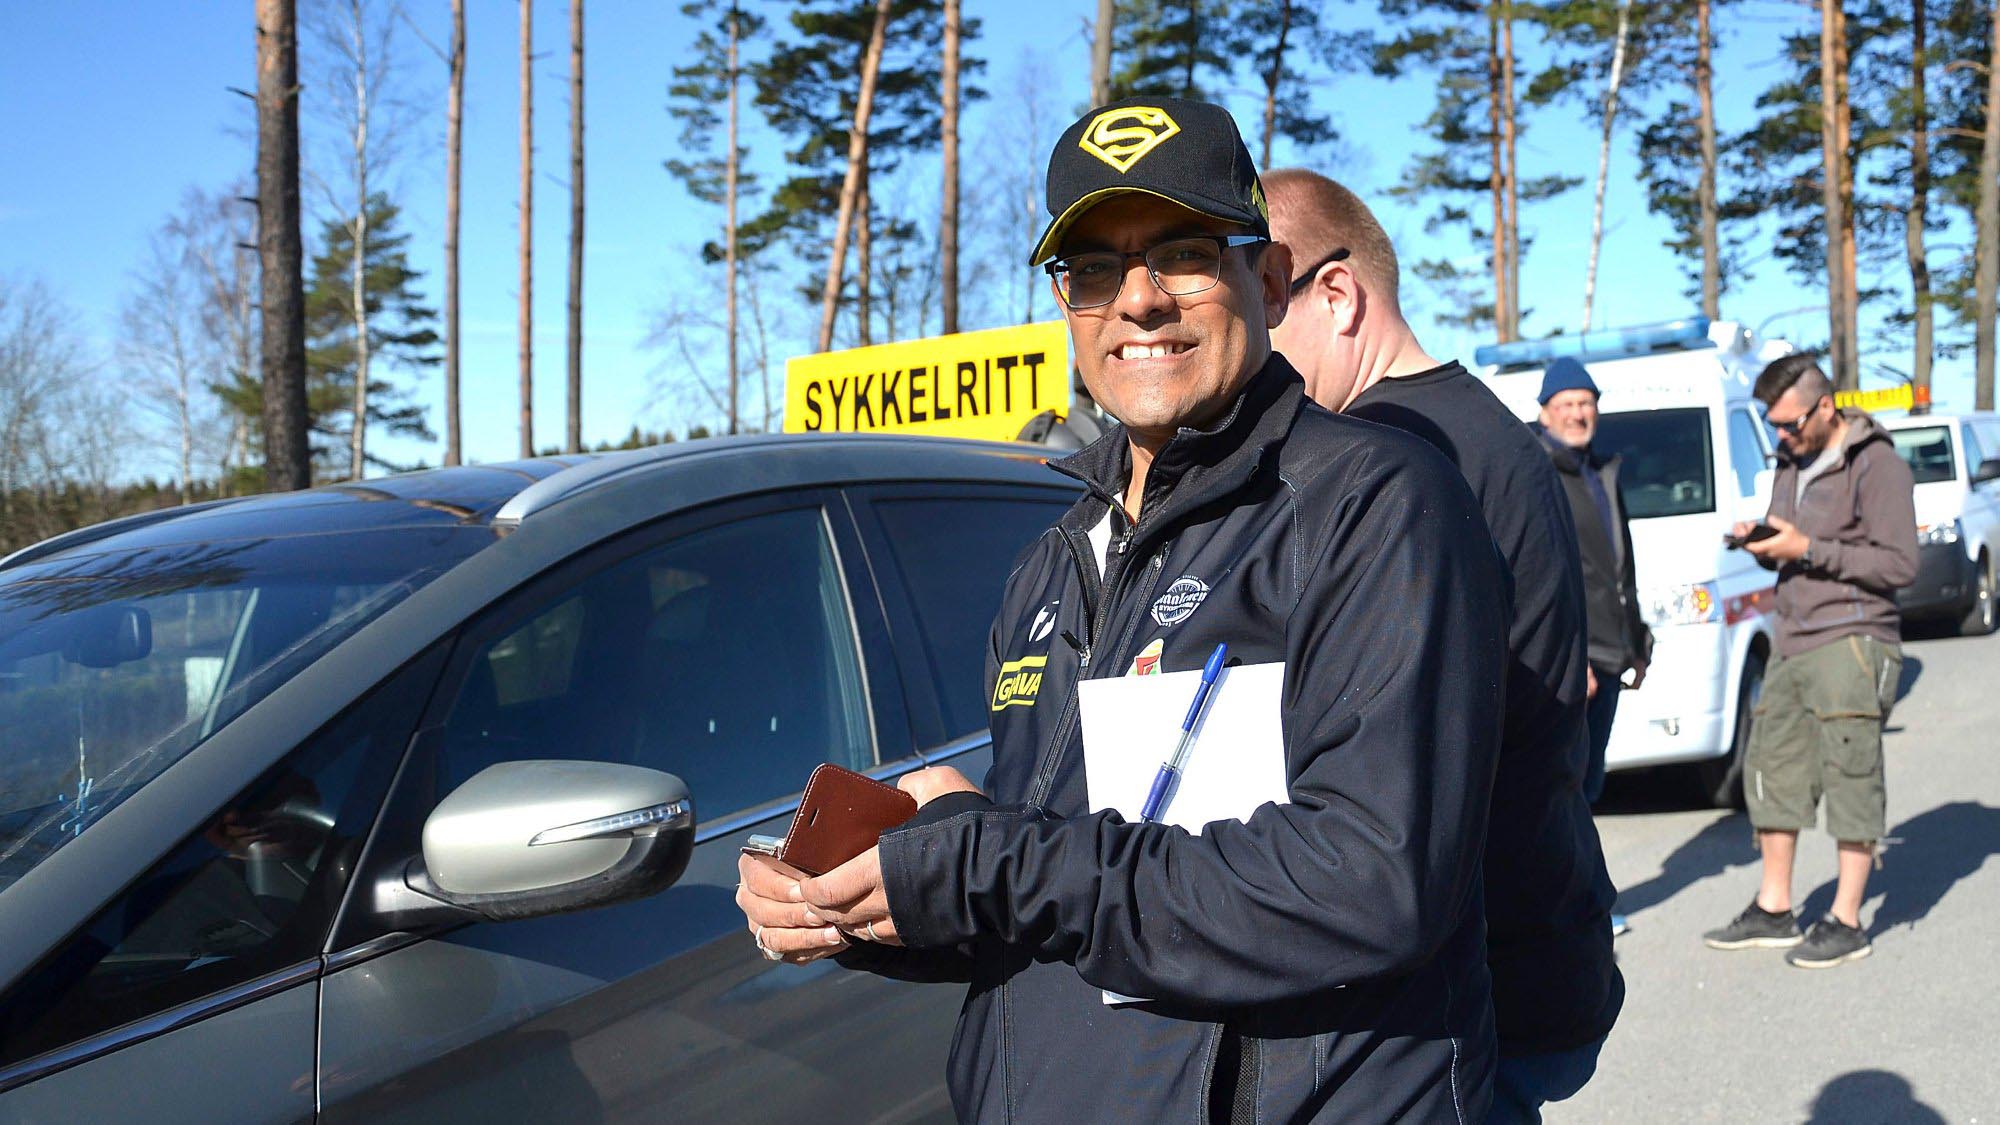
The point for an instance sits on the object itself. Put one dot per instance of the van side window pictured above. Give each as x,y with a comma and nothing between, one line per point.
1746,452
1976,449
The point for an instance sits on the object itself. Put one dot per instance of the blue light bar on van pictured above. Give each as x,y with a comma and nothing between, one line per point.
1603,344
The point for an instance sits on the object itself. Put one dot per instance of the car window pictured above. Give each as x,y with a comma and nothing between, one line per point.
251,891
953,554
1928,450
1669,467
1746,453
725,656
115,664
1975,449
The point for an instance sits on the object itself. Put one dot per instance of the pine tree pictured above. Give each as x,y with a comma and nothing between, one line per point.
714,79
1176,48
401,329
1279,42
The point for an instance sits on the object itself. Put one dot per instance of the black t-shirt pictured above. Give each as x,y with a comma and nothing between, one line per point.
1555,984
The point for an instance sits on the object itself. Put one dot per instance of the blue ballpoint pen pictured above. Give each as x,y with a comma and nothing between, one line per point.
1170,772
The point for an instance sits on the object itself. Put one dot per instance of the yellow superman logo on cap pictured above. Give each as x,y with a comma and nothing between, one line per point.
1122,137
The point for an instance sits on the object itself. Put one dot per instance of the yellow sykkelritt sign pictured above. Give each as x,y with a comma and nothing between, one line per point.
1889,398
971,385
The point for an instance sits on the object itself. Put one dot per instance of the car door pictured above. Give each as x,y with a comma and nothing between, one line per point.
195,992
1982,499
736,648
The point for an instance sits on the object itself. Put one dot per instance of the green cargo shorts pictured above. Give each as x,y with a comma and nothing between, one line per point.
1817,733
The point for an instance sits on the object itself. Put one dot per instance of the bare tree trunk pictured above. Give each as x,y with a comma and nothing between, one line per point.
1604,158
1100,52
1509,130
1986,268
729,233
1194,38
280,249
1711,248
1835,188
864,262
1913,223
948,218
1273,75
574,438
1034,208
1498,177
857,156
357,447
454,115
525,321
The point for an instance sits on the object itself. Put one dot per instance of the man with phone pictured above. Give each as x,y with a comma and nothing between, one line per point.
1556,986
1324,959
1842,536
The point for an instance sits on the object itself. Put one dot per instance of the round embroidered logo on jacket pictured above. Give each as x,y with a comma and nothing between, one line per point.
1180,601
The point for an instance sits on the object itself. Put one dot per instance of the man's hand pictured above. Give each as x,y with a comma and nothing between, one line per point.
852,897
1589,682
927,785
1788,545
1638,674
778,919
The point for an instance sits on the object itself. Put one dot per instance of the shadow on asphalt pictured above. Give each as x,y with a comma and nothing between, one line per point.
1715,849
1938,848
1870,1096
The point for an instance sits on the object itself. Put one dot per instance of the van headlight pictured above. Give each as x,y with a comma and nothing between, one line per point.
1680,605
1939,534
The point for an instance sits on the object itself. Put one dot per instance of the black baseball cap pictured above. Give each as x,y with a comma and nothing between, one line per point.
1183,151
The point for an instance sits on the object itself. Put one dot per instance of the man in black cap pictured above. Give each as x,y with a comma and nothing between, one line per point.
1324,958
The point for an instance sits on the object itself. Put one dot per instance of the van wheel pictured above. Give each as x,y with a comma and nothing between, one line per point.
1979,616
1721,779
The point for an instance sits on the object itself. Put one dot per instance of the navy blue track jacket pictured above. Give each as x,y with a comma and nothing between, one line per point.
1335,943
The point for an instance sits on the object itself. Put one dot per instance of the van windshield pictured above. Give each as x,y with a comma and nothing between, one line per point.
1669,460
1928,450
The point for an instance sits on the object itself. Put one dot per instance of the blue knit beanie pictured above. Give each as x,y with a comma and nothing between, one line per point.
1565,374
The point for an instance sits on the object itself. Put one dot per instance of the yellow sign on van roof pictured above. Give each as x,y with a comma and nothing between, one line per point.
1874,402
985,384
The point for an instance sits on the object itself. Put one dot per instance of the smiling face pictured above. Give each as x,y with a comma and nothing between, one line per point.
1157,362
1571,417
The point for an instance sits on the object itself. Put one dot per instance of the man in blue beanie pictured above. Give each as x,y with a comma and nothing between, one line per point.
1619,639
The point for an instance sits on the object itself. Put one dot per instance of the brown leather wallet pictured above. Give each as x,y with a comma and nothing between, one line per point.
841,815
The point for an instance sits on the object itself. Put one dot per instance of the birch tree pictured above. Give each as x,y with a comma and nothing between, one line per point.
281,249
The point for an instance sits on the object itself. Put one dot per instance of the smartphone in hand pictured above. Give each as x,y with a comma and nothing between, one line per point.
1756,534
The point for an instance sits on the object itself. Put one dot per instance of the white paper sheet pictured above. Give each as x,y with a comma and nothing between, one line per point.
1235,767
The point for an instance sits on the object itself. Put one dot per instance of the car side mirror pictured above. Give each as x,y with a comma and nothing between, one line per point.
525,839
1988,469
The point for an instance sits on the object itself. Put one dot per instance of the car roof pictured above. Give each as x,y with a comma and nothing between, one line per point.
506,494
1906,421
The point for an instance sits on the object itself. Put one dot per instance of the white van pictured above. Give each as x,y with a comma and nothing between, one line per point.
1956,461
1676,406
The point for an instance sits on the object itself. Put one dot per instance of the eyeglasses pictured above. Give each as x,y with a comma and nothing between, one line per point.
1181,267
1305,278
1798,424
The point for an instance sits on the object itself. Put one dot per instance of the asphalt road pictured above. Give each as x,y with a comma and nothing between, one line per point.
1908,1035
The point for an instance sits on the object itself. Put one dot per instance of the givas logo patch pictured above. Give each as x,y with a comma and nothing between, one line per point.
1019,683
1180,601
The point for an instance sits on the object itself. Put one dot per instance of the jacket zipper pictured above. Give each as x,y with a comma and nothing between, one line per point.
1052,755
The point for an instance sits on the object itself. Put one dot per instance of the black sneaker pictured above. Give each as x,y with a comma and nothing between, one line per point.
1756,928
1830,942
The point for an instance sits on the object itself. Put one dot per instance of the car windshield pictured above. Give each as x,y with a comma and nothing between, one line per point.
1928,450
1669,465
114,664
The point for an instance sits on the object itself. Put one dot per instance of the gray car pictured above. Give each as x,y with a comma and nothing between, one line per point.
421,798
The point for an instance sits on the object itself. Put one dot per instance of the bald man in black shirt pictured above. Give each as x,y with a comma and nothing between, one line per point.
1556,987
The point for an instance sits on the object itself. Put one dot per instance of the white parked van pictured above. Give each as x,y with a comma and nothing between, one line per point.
1956,461
1676,406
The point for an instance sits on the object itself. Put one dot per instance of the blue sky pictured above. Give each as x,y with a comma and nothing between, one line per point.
110,111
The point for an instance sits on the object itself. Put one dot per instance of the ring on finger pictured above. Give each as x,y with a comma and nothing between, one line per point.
769,953
870,930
